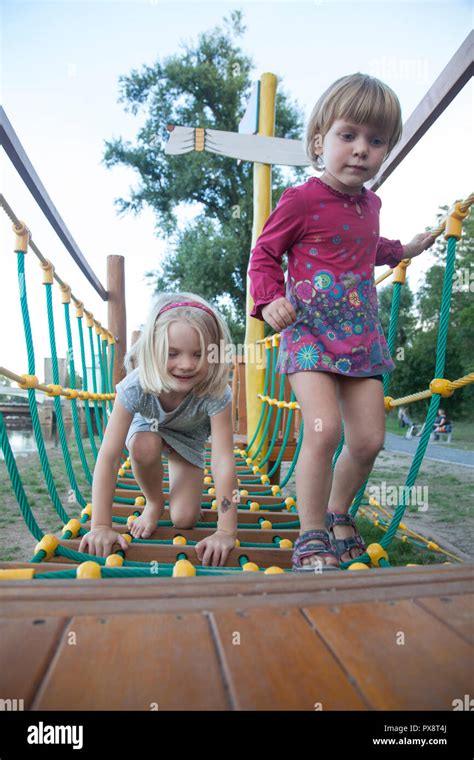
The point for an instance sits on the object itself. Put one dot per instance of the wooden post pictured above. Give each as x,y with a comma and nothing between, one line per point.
117,315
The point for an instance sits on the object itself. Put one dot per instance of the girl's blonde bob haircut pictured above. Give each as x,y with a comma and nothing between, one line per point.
150,352
358,98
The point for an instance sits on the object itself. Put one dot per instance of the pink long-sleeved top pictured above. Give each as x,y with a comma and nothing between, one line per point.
332,240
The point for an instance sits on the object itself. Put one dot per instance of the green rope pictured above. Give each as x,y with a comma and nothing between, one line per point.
94,385
85,386
73,402
15,478
57,400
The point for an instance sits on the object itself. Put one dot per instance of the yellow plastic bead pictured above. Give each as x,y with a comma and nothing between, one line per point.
244,492
237,543
128,538
266,525
87,511
265,479
376,523
179,540
273,570
130,519
206,471
432,545
441,386
211,491
88,570
214,504
183,568
285,543
72,393
140,501
54,390
250,567
243,453
17,574
402,526
290,502
281,404
29,381
114,560
387,402
74,526
358,566
248,460
255,506
121,473
126,465
276,491
376,552
255,469
404,539
48,544
208,479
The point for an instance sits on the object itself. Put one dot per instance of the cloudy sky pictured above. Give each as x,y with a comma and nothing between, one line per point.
60,64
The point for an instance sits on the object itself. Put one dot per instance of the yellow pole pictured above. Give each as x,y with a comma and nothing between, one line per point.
262,199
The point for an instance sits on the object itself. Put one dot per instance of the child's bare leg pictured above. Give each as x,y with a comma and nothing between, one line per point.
361,401
145,455
186,484
316,393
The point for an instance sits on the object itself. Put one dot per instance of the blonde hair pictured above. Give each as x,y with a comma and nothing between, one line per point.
361,99
150,352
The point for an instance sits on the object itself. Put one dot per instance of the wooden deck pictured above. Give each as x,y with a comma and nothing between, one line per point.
388,639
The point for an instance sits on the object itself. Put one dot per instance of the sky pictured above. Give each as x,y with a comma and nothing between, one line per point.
59,85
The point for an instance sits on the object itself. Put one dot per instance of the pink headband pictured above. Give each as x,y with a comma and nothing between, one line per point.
187,303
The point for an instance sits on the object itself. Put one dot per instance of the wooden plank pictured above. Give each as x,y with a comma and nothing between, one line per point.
432,668
274,661
132,662
26,646
455,611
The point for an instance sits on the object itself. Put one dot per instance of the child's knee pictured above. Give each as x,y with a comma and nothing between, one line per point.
365,450
323,435
145,452
183,517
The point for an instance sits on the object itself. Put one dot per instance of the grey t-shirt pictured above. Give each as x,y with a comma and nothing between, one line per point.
185,429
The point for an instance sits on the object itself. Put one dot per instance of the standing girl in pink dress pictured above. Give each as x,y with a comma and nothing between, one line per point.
332,344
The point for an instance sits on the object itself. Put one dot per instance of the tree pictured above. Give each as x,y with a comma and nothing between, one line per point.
419,324
207,85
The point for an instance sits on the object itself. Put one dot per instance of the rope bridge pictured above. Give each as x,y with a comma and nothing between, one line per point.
268,522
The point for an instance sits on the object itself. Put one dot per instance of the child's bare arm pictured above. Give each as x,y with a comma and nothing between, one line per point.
102,537
215,549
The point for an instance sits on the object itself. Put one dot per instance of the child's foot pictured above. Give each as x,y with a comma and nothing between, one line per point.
145,525
313,550
345,537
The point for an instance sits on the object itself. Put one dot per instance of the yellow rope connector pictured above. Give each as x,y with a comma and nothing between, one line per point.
250,567
17,574
89,318
454,221
273,570
183,568
268,342
87,511
29,381
48,544
79,309
400,271
114,560
376,552
74,526
22,237
276,340
89,571
442,386
65,293
48,272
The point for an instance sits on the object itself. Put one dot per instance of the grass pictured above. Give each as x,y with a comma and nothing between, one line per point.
462,436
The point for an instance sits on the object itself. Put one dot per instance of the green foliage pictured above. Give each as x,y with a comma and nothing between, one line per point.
206,85
419,322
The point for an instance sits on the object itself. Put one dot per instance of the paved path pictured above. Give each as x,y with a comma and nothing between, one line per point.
434,451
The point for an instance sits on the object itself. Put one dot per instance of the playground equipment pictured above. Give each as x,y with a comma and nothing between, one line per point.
255,594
